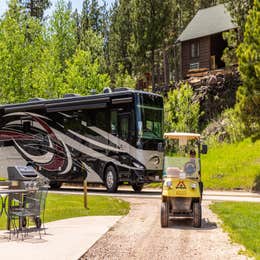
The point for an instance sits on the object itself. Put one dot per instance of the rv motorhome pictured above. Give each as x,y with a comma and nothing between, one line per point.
110,138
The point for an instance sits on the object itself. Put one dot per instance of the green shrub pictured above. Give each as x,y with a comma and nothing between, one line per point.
181,113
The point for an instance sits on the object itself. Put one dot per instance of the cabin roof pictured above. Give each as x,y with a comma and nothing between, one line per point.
206,22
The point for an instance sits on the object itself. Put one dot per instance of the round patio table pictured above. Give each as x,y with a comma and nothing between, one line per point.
4,197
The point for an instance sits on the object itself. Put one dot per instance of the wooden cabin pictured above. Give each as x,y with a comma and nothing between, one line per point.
202,44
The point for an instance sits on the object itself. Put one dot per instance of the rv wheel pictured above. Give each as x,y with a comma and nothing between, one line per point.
111,179
55,184
137,187
196,222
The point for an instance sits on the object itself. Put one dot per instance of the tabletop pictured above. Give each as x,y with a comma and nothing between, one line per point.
8,191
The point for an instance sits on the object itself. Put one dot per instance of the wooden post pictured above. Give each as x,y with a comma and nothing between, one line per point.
85,185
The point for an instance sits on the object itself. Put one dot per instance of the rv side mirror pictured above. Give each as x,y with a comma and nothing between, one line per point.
204,149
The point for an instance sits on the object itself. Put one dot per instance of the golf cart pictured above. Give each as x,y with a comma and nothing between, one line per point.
182,186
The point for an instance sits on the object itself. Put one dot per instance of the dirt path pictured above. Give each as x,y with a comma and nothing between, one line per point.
139,236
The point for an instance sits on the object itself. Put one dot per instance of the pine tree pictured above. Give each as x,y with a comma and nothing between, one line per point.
238,10
249,66
85,23
92,16
76,18
151,25
93,31
36,8
95,16
120,34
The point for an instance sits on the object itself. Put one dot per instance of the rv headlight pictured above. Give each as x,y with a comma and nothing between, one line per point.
155,160
138,165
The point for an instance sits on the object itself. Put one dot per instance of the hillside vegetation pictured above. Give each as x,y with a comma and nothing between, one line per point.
232,166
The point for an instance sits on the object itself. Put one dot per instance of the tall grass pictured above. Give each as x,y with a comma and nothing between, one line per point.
232,166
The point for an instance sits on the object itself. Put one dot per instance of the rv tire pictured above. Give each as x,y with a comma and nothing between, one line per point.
137,187
111,179
55,184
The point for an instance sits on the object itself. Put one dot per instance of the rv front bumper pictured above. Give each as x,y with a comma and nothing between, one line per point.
148,176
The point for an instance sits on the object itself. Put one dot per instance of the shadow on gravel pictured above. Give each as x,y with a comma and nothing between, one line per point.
99,190
186,224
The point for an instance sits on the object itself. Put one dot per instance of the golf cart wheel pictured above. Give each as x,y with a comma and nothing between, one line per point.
196,222
137,187
164,214
38,222
111,179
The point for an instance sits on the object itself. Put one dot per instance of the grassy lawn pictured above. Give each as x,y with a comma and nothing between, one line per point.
61,206
241,221
232,166
154,185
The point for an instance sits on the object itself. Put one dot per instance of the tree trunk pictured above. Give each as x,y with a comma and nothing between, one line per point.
165,68
153,71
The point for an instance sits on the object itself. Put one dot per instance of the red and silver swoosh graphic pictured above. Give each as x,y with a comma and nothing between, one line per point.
49,161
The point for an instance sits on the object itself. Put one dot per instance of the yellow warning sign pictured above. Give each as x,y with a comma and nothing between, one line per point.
181,185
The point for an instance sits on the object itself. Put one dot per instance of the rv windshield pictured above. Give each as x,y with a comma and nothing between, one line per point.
150,117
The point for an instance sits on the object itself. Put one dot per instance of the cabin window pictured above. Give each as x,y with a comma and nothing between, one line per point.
195,65
195,49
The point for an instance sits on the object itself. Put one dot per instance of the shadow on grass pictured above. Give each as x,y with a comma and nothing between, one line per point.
186,224
256,186
255,137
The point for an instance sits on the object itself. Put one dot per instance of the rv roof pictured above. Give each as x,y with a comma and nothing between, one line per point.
175,135
74,102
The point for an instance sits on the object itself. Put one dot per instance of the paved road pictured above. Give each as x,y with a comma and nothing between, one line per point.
154,194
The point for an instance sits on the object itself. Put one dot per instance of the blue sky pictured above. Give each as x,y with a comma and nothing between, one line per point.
75,4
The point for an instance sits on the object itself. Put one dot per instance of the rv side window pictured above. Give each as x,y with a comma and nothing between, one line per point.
101,120
124,127
114,123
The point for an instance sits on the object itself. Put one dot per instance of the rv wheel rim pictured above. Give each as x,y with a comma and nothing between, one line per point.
110,179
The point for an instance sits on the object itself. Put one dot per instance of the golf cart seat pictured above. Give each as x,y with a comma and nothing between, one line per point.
173,172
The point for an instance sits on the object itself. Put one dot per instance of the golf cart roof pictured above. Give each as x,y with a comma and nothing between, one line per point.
179,136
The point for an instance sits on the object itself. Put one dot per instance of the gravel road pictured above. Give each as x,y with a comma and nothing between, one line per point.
139,236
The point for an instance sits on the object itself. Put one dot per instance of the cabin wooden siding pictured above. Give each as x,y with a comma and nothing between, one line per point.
204,54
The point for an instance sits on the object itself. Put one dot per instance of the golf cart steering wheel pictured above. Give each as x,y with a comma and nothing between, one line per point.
190,168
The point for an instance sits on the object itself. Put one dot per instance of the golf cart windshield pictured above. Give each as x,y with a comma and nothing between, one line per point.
183,155
181,167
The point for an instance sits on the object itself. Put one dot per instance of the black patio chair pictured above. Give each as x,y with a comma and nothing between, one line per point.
31,207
